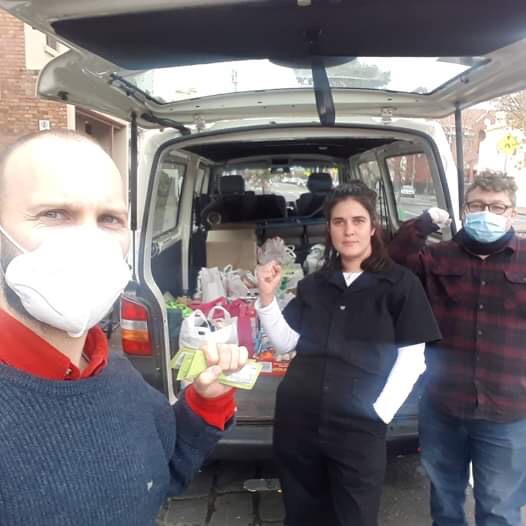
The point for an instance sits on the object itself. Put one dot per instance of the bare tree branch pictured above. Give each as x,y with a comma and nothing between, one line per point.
514,106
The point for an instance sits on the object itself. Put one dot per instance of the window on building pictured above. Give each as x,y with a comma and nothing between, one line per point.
51,42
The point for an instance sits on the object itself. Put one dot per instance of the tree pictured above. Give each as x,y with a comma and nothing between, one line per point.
514,106
357,75
259,177
353,74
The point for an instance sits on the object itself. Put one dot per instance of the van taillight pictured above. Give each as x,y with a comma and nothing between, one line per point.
134,328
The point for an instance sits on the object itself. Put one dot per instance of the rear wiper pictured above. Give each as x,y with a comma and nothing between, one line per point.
320,80
323,92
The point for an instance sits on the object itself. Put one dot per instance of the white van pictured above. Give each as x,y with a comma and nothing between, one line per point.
287,90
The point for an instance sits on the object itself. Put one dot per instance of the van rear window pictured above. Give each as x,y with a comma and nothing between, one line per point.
289,182
170,185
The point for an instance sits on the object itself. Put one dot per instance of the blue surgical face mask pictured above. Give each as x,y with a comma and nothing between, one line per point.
485,226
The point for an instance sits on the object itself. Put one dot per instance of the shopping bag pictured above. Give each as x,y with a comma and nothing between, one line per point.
195,330
224,326
315,259
274,249
205,308
211,284
244,312
246,323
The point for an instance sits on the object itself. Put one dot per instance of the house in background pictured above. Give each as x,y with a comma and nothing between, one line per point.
475,121
24,53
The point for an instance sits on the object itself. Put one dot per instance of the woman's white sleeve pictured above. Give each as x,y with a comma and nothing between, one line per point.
282,337
410,364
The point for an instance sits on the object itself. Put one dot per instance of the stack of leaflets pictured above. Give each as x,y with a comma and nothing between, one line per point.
192,362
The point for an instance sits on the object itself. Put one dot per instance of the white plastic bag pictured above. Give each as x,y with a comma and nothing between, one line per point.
235,288
194,331
211,284
274,249
197,329
225,326
239,283
314,261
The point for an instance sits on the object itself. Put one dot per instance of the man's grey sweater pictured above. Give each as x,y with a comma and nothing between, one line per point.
93,452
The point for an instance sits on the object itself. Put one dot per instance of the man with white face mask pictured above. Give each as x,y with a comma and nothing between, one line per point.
84,440
474,406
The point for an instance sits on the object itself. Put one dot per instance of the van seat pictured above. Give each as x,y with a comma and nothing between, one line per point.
232,204
269,206
231,184
311,202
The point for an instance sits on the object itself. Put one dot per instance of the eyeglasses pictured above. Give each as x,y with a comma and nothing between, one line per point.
494,208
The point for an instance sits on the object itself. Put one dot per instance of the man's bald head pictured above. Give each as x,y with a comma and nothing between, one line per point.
36,151
58,173
58,136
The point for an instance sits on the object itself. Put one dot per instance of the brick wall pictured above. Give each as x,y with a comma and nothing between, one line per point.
20,109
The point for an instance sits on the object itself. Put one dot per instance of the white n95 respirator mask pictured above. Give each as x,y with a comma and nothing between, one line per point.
71,280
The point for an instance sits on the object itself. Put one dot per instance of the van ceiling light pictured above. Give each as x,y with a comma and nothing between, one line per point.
304,3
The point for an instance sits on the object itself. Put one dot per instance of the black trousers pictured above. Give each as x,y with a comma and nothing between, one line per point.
331,476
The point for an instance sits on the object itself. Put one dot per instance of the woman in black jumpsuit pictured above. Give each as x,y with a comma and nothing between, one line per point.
329,442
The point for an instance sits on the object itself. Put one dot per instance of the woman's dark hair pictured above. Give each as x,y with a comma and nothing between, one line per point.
379,259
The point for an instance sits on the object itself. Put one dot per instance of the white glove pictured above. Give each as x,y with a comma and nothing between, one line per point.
439,217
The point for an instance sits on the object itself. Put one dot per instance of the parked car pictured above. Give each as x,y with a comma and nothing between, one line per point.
407,190
296,100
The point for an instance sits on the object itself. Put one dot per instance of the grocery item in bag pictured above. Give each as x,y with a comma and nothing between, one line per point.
291,275
273,364
274,249
314,260
239,283
211,284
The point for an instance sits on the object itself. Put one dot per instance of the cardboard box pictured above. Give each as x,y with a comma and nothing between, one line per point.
232,247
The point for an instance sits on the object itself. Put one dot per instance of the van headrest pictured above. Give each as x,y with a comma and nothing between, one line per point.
231,184
319,182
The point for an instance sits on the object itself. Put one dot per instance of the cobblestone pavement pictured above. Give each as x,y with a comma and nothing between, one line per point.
217,497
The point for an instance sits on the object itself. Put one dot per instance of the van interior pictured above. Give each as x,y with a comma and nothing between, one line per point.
274,181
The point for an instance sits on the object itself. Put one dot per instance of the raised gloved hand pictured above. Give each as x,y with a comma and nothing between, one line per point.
439,217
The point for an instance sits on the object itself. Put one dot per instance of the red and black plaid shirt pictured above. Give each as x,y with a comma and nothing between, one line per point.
478,370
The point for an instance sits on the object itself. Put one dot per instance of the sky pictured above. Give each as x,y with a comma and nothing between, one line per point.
170,84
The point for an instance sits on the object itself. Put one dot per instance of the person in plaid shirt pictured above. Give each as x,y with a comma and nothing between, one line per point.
474,403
